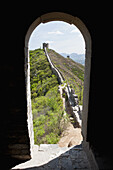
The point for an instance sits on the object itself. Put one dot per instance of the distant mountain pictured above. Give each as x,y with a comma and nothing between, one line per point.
79,58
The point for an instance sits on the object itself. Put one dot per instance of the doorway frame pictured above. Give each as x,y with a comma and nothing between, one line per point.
59,16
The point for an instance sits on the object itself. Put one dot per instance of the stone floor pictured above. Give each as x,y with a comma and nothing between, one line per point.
53,157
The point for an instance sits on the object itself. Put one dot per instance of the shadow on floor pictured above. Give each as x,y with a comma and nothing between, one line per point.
75,158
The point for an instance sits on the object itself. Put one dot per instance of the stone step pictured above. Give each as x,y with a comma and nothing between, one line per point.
52,149
45,147
49,147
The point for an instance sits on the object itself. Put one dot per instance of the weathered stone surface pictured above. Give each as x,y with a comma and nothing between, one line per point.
57,158
70,137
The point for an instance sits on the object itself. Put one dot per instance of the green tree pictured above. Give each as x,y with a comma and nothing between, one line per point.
47,106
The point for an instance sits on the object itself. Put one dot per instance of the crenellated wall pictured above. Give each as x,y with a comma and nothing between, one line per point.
72,98
54,69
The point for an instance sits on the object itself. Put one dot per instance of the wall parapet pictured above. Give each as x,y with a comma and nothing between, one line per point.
72,98
54,69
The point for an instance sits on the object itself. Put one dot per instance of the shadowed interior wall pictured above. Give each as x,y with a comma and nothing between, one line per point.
13,122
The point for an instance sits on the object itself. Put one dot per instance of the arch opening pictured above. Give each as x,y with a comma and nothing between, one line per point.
57,16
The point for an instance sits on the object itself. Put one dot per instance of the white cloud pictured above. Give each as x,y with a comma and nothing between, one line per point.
76,30
61,36
55,32
50,42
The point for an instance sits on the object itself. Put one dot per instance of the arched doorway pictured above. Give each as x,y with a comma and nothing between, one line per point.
58,16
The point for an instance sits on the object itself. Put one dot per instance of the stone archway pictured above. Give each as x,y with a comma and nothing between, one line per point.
58,16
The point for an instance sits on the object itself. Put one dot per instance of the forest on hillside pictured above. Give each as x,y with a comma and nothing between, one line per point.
47,106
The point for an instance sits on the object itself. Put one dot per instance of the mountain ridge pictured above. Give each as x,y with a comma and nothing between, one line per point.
80,58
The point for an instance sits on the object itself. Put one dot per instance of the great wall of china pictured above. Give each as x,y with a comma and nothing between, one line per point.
72,98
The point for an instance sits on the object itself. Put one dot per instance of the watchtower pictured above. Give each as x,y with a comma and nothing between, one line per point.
45,45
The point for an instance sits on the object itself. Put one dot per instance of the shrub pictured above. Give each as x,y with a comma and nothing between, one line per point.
46,102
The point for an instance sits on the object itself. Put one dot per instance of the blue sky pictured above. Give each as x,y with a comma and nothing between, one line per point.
61,36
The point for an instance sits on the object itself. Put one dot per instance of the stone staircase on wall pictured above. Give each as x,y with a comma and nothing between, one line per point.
17,135
14,138
16,147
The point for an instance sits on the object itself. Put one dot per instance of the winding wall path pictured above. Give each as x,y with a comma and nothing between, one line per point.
72,97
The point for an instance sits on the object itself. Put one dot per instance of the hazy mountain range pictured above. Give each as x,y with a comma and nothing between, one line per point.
79,58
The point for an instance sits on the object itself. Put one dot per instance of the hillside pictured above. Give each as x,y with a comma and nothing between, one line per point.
47,105
72,71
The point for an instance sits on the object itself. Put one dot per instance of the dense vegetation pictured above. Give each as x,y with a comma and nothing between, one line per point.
72,71
47,107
